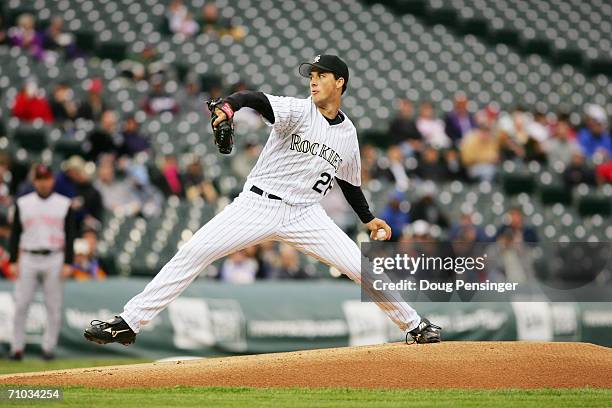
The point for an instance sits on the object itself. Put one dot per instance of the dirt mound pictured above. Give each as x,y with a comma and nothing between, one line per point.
444,365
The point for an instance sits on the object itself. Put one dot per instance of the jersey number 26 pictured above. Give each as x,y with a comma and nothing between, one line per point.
324,180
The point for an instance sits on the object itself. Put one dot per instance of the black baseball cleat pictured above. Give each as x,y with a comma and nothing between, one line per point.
425,332
113,331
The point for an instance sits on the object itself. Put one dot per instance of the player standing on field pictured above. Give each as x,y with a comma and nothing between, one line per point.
41,247
312,145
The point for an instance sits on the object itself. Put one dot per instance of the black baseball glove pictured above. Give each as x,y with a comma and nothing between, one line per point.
224,132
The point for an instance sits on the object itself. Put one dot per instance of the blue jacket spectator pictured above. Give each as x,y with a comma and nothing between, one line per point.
591,142
394,216
595,137
459,121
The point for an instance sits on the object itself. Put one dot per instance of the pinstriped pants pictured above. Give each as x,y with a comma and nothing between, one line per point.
249,220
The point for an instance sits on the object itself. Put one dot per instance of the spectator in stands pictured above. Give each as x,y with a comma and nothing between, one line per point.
18,175
183,23
565,118
239,268
63,104
395,216
467,240
369,163
212,23
151,199
515,227
105,138
419,231
214,91
171,182
578,172
290,266
5,233
431,127
561,147
85,265
74,182
94,106
452,161
189,97
459,121
268,259
511,133
403,129
159,100
392,168
603,172
196,184
54,38
465,229
425,208
595,137
30,104
245,159
24,35
509,260
117,196
432,166
143,65
538,132
480,151
175,10
134,141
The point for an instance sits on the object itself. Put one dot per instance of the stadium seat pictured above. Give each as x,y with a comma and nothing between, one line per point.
515,183
114,50
85,40
65,148
591,204
31,138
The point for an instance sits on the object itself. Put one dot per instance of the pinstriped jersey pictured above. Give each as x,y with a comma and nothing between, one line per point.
304,153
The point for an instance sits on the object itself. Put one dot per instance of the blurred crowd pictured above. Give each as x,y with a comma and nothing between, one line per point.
425,150
118,170
180,20
472,145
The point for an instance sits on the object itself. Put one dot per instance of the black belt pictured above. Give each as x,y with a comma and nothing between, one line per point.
262,193
41,251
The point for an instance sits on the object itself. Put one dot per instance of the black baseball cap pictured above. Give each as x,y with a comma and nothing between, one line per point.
326,63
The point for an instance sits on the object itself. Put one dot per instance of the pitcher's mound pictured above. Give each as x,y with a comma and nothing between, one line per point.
443,365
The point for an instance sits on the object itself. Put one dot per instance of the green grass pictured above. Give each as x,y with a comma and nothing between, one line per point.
27,365
336,398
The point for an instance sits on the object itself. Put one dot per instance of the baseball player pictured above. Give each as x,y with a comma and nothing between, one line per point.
41,251
312,145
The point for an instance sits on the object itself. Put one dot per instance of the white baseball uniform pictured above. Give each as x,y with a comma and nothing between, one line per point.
41,242
298,164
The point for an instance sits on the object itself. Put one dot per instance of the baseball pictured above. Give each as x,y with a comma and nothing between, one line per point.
381,235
